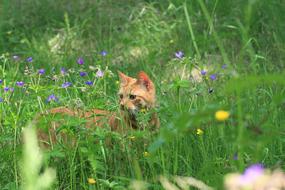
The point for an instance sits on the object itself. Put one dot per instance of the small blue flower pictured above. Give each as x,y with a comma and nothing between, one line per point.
203,72
11,89
235,157
66,84
1,81
179,54
80,61
29,59
20,83
63,71
52,97
213,77
89,83
224,66
41,71
103,53
6,89
99,73
82,74
1,99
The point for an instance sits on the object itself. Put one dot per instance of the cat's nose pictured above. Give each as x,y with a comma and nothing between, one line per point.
122,107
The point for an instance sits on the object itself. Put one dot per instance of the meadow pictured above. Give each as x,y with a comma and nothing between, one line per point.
203,56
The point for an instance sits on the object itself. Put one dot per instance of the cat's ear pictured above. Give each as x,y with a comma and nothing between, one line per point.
124,79
143,79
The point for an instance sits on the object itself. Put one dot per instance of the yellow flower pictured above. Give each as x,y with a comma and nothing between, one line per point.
222,115
132,138
143,110
91,181
199,132
146,154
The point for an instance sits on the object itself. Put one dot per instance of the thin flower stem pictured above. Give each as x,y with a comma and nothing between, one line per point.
216,37
191,30
240,132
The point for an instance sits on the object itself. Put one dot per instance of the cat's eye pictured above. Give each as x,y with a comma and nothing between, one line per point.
132,97
121,96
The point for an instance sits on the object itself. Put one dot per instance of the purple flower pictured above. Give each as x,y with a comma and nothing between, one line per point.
235,157
103,53
224,66
213,77
66,84
252,173
63,71
99,73
80,61
12,89
179,54
89,83
52,97
203,72
41,71
1,81
29,59
1,99
82,74
20,83
6,89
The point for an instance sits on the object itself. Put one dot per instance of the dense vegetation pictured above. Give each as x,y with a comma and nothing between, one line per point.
203,56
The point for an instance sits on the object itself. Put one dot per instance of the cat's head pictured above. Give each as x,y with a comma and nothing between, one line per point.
136,93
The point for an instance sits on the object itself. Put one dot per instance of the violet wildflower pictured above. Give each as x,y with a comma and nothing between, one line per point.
80,61
179,54
1,99
1,81
52,97
213,77
6,89
99,73
203,72
20,83
252,173
63,71
66,84
89,83
29,59
224,66
11,89
235,157
103,53
41,71
82,74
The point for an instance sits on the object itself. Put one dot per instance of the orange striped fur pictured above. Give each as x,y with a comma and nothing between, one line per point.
134,94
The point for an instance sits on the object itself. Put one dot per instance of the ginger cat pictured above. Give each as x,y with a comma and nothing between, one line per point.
135,95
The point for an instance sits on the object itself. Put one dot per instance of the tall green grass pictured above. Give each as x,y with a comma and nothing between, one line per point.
247,36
